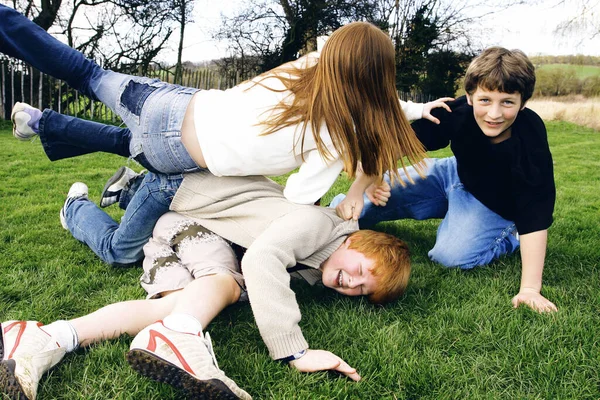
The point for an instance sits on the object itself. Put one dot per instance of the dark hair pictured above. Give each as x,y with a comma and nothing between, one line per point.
503,70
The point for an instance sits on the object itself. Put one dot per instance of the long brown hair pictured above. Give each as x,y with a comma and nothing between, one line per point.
352,89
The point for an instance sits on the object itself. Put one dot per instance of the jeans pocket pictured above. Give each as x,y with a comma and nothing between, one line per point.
134,96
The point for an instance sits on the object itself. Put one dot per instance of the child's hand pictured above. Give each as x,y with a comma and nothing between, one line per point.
350,207
534,300
441,102
379,193
321,360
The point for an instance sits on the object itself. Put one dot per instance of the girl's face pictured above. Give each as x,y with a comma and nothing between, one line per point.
495,112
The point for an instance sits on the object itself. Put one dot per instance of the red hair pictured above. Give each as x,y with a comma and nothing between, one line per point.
391,260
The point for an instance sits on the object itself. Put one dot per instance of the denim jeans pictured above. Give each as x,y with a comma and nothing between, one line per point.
469,235
122,244
152,110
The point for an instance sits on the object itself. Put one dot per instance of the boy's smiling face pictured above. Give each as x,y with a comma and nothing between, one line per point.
348,272
495,112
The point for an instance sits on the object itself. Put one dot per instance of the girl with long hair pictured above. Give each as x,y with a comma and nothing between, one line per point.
322,113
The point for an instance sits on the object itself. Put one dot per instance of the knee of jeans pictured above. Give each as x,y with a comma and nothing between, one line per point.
455,257
122,257
337,200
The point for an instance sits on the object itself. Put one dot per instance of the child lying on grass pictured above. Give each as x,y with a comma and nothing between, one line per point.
191,274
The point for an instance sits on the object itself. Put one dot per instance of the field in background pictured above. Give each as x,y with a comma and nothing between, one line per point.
454,335
576,109
581,71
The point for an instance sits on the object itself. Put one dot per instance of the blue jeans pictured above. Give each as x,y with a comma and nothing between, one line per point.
152,110
122,244
144,201
469,235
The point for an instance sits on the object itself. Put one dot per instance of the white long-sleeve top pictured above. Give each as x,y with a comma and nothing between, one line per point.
228,127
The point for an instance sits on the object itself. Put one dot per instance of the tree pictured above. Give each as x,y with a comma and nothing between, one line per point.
124,35
182,11
278,31
43,14
413,49
583,20
444,70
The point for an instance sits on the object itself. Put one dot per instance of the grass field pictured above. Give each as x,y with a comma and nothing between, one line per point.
575,109
454,335
581,71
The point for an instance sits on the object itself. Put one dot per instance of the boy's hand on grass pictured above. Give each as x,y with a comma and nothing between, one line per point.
321,360
534,300
379,193
441,102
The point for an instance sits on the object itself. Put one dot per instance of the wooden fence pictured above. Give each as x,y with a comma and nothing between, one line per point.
21,82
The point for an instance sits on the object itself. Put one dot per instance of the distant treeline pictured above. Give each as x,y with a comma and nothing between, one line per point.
564,82
570,59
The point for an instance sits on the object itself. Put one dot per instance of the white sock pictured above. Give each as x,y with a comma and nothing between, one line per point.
185,323
64,333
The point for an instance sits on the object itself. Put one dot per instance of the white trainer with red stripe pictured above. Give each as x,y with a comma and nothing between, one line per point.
28,353
182,360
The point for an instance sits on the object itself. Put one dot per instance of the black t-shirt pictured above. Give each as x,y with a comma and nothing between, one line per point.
513,178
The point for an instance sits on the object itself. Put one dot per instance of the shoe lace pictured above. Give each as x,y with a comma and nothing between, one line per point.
209,346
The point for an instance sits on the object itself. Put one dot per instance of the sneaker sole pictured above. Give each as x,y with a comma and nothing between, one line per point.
9,385
157,369
113,179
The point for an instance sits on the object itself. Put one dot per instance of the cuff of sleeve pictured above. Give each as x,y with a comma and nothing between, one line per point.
282,346
414,111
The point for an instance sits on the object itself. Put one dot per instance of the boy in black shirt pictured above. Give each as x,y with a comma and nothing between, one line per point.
497,193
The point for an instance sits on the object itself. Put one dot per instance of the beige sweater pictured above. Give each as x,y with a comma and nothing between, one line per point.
252,212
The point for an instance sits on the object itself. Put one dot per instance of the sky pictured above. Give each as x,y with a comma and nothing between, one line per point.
530,28
526,27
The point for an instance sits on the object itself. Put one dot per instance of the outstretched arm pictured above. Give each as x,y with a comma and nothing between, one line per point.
533,254
321,360
427,107
414,111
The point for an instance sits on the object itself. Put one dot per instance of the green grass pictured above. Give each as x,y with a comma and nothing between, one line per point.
453,335
581,71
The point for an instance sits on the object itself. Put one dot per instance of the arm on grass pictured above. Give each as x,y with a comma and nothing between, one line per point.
533,254
321,360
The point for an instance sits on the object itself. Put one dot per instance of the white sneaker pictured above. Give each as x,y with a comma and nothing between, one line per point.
182,360
25,121
115,185
29,352
78,189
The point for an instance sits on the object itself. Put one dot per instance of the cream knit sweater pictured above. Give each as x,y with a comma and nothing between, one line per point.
252,212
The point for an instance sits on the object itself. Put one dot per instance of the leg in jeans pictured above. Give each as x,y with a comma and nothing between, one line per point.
63,136
122,244
470,234
424,199
152,110
22,39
